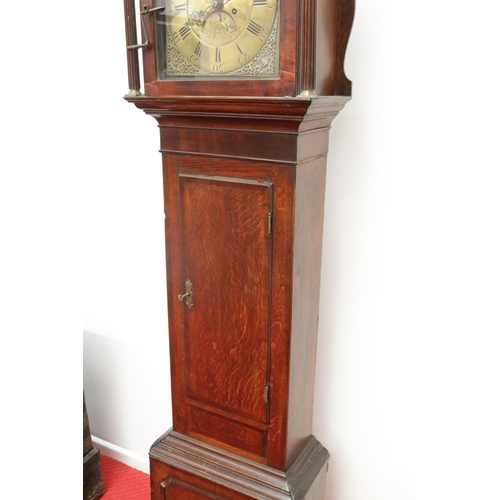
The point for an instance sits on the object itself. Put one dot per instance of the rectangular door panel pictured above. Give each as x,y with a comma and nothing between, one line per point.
217,428
226,255
177,490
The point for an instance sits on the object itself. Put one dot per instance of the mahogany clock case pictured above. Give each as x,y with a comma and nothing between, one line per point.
244,168
244,182
312,45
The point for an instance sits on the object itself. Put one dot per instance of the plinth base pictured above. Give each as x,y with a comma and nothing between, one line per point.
183,468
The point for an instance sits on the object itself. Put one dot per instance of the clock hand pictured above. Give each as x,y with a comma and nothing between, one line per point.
199,17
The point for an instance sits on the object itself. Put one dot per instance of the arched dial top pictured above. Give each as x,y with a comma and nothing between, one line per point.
219,37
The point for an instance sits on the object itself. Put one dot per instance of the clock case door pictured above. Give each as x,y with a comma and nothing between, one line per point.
218,236
226,256
311,31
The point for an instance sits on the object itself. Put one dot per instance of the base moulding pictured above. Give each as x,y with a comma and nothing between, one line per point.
186,468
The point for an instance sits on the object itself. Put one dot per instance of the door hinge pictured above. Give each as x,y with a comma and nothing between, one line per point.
270,223
267,393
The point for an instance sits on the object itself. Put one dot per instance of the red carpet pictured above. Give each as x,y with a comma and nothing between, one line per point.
122,482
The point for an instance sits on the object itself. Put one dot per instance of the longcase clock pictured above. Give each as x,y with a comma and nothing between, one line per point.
244,92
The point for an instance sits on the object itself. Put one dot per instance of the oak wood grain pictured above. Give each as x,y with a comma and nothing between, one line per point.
226,254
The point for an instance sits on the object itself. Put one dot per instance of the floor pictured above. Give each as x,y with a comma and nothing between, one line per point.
122,482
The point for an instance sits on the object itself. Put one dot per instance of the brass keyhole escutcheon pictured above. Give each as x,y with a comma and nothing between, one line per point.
188,295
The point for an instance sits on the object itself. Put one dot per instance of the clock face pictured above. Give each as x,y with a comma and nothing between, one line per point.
221,38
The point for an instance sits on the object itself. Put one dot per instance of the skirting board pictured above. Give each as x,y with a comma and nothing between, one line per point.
122,455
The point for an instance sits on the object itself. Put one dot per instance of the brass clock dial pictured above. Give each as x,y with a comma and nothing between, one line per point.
219,37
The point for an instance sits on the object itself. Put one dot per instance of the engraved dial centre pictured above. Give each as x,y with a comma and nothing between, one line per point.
218,29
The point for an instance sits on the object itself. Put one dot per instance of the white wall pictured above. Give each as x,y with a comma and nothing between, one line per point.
409,293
